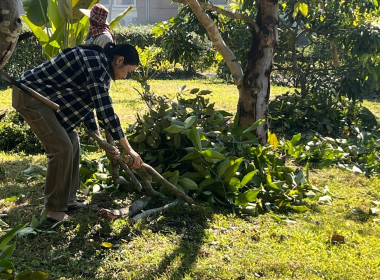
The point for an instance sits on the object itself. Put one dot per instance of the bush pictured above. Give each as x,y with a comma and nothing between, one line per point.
27,54
16,135
137,35
324,113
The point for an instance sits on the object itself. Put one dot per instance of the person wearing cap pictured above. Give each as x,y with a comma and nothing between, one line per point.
78,80
99,32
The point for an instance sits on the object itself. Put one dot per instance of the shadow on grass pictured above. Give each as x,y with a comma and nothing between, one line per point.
73,249
358,215
191,225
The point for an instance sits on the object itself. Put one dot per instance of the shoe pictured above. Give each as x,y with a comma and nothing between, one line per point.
76,205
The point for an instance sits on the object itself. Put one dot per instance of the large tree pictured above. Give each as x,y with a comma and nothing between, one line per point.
253,82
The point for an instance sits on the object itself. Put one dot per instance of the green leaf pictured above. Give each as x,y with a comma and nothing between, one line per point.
300,209
101,176
253,126
65,9
188,184
174,128
222,168
195,138
12,198
77,15
234,184
9,235
212,154
32,275
249,196
89,148
284,220
194,90
295,139
204,92
34,223
5,264
230,172
201,169
36,11
207,182
53,14
248,177
296,9
189,121
191,156
119,17
8,251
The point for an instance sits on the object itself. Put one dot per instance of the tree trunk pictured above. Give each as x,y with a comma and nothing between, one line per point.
10,30
254,83
255,90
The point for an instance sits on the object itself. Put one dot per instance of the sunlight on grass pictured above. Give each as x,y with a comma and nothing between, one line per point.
197,242
125,93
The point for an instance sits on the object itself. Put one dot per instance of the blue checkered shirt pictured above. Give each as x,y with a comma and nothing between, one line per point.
78,80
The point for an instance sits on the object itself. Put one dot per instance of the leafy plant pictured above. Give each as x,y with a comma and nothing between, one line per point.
60,24
200,150
16,135
322,112
6,251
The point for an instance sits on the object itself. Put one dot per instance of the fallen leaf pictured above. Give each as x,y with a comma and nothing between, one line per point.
337,239
105,214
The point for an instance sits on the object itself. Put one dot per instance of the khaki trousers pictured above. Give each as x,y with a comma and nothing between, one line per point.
62,150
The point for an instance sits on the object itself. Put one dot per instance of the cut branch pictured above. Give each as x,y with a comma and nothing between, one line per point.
154,211
144,171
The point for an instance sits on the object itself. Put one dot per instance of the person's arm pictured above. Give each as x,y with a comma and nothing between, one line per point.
90,122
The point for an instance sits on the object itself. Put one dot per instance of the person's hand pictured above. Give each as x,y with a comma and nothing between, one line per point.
137,161
113,153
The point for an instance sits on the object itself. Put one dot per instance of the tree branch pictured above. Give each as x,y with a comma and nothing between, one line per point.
216,39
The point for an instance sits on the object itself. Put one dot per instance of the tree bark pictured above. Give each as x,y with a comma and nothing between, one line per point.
254,83
255,93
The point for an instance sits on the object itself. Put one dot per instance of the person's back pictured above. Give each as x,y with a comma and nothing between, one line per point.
99,32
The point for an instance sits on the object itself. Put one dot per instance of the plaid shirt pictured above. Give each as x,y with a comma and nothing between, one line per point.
78,80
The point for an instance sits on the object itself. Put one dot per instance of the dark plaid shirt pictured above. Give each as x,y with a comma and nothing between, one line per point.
78,80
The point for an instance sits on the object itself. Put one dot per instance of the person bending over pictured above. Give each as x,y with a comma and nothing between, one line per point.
78,80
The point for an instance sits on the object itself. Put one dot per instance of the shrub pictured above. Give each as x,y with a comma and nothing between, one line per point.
16,135
324,113
137,35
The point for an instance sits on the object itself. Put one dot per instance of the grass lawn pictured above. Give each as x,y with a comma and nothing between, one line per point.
336,241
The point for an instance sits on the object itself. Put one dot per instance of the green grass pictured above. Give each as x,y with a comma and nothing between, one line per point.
198,242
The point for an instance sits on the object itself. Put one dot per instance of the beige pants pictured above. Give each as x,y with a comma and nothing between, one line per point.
62,150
